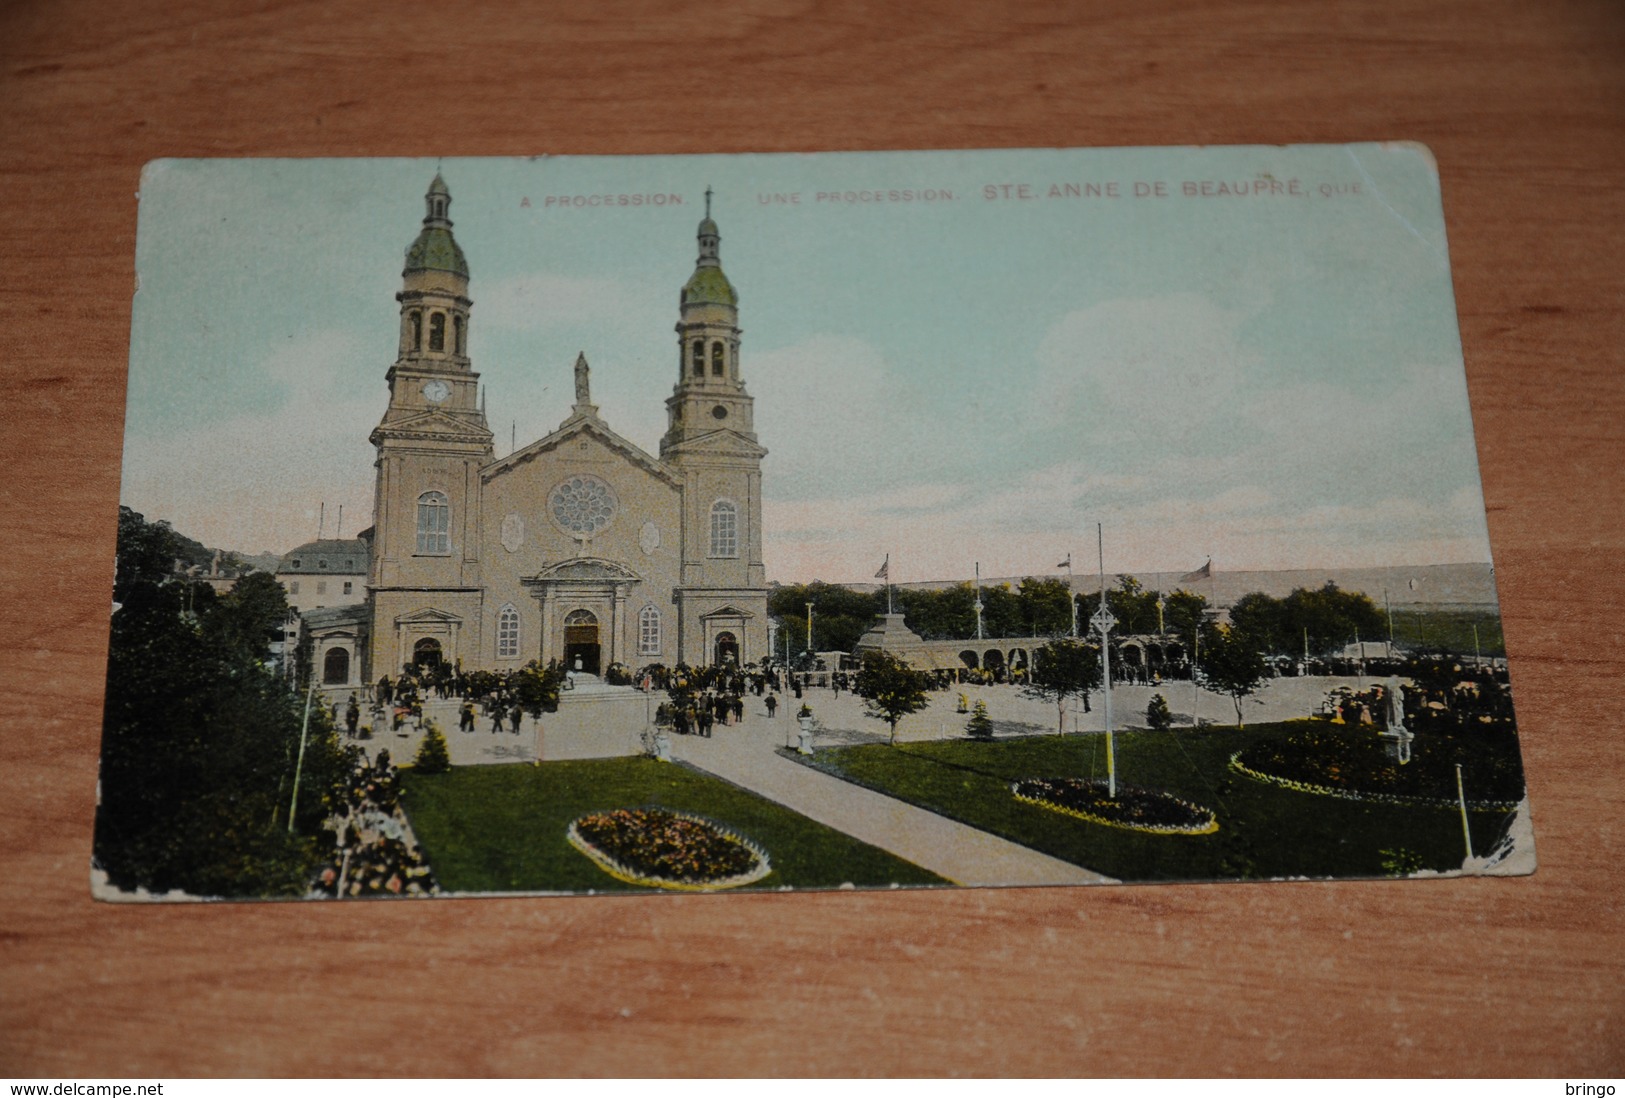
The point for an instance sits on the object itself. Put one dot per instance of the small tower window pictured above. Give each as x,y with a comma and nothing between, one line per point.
417,330
699,358
649,632
724,529
508,633
434,523
716,359
437,331
457,334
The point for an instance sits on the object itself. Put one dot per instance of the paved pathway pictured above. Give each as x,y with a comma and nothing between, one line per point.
745,756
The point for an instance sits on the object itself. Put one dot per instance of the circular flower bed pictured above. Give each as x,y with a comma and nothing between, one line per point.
1132,809
1354,765
665,849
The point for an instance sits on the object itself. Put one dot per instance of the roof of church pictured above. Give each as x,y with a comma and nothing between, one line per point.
708,285
436,249
584,424
328,556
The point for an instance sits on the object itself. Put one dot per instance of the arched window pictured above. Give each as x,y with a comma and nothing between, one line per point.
724,529
716,359
649,631
437,331
507,632
699,358
457,335
336,667
434,523
417,330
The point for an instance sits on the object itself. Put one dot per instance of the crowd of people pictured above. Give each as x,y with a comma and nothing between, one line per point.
497,700
374,852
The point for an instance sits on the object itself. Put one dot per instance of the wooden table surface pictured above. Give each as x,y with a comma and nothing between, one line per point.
1521,102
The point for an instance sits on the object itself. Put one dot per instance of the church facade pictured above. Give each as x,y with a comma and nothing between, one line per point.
581,546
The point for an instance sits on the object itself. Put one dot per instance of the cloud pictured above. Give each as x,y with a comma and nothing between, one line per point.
1175,358
837,420
256,482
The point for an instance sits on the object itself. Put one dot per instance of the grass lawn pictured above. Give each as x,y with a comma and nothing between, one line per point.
501,828
1264,831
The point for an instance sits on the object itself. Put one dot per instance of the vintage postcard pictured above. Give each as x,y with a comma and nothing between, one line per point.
618,525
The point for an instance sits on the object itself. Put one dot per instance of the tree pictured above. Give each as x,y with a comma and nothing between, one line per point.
1231,664
1183,613
979,727
433,757
1063,669
1046,607
1264,619
250,615
200,741
840,615
538,687
892,688
1322,619
1157,714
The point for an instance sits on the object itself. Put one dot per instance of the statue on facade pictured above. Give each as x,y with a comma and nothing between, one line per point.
583,384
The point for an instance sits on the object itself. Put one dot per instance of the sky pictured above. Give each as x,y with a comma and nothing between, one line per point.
956,357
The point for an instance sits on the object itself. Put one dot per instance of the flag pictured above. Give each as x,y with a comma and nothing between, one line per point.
1202,573
1067,563
885,569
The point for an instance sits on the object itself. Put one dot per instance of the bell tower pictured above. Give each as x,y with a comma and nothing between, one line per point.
710,393
711,441
431,443
432,369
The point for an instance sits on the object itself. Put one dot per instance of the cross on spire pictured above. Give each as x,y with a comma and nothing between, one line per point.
708,200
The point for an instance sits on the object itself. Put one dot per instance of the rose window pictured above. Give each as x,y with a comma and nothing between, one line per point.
582,505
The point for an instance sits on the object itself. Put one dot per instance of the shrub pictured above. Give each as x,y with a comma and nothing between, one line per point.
979,727
433,756
1157,715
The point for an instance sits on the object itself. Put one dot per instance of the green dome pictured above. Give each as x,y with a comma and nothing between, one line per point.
436,249
709,286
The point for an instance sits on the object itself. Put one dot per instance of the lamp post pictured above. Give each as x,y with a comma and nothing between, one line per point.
809,630
1103,621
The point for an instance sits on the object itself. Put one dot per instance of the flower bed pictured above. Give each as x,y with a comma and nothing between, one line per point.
1354,765
665,849
1132,809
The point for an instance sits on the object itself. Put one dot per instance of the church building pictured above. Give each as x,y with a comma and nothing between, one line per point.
580,546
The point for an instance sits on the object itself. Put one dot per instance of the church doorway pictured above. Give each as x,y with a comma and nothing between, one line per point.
426,654
336,667
581,642
727,650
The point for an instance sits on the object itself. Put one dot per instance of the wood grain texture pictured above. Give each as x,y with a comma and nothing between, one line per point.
1523,105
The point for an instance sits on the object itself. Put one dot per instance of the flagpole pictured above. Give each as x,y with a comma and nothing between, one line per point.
1071,596
978,600
888,583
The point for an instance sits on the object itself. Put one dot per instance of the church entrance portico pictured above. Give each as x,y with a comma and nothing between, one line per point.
584,612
